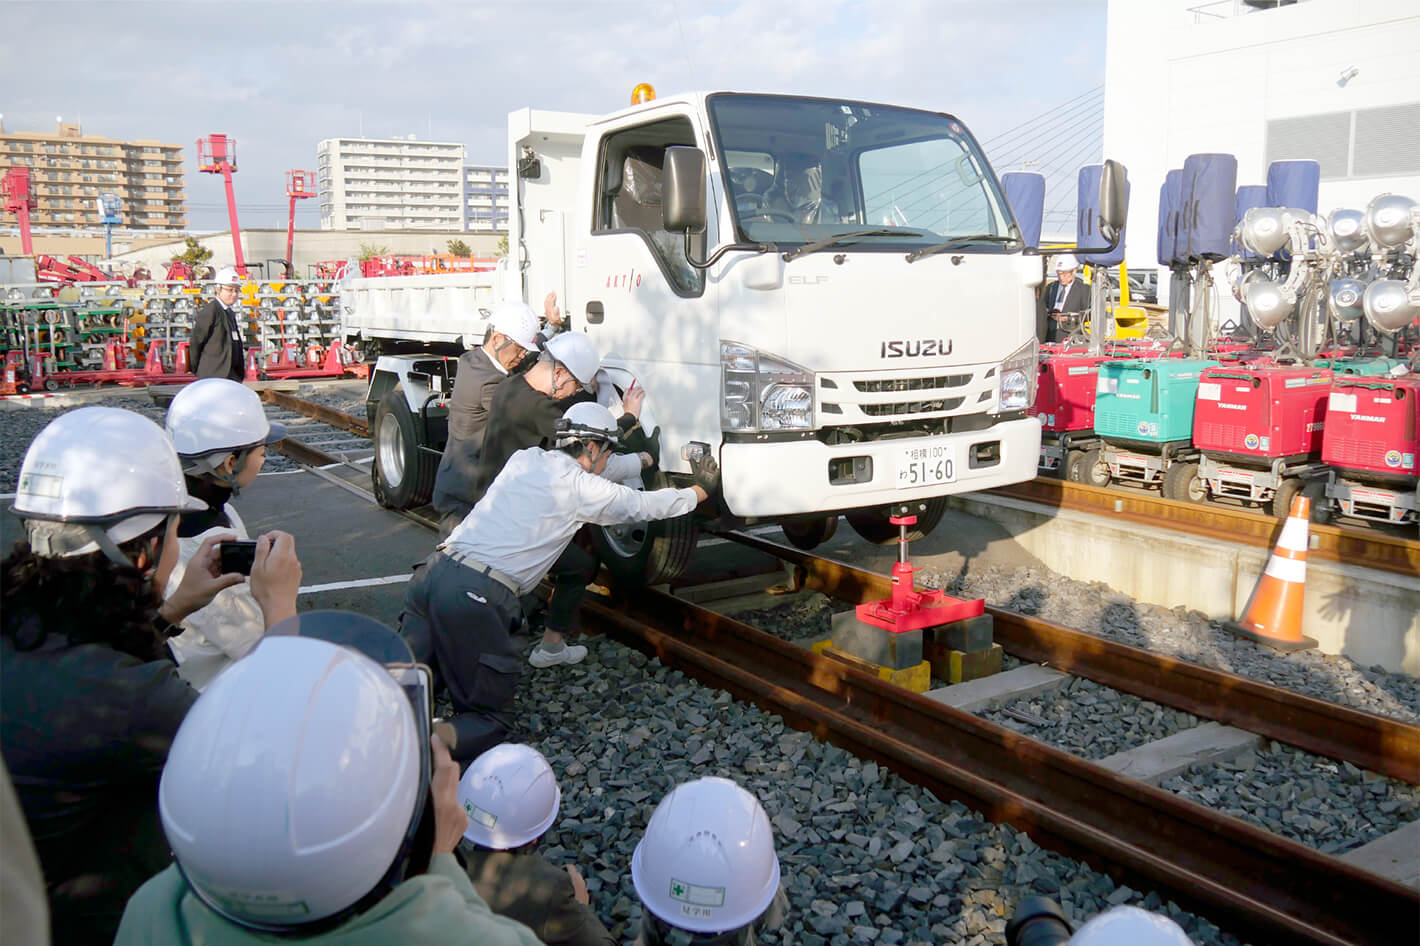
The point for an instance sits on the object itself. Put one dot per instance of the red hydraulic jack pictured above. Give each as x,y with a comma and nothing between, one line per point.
915,633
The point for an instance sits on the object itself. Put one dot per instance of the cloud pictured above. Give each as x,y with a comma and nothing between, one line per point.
281,77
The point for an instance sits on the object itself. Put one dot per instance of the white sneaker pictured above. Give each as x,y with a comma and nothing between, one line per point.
569,654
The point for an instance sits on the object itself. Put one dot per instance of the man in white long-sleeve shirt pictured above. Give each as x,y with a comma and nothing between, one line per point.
462,610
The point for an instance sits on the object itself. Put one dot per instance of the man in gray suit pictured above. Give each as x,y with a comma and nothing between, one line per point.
216,346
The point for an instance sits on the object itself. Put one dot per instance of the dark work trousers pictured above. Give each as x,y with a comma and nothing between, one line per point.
465,626
574,568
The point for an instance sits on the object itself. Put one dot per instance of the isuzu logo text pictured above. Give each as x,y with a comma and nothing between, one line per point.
916,348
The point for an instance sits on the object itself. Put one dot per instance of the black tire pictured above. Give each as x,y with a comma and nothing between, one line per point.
1314,490
51,385
810,534
1070,466
1182,482
647,553
873,525
1093,469
403,475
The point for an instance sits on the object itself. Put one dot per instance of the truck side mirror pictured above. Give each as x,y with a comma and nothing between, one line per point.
1114,201
683,190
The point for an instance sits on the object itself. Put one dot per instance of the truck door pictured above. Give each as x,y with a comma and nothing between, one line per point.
642,302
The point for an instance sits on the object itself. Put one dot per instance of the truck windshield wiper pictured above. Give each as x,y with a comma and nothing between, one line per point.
954,242
850,236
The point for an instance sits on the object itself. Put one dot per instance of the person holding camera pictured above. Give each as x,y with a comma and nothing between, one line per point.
706,870
305,803
462,610
221,434
512,799
91,700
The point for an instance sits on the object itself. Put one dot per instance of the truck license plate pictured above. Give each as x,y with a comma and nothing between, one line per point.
925,466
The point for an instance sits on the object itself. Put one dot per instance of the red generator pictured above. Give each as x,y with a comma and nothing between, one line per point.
1372,444
1065,404
1258,429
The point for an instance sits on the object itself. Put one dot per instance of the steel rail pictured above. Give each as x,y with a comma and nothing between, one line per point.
1368,549
1263,886
1388,746
326,415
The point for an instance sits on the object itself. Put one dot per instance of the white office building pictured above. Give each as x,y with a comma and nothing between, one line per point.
485,198
390,184
1336,81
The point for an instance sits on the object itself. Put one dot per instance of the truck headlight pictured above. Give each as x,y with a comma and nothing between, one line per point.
1018,375
760,391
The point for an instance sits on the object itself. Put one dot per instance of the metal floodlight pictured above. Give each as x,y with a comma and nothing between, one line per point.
1343,299
1263,230
1267,301
1348,229
1390,306
1388,220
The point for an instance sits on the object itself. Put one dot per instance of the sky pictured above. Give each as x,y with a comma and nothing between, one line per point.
280,76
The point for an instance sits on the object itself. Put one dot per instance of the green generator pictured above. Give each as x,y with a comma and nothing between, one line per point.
1147,402
1372,367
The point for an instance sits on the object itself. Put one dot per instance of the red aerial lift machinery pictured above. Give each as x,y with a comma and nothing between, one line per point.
217,154
20,202
299,184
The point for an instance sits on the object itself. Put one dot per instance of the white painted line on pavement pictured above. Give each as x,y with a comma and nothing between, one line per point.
357,583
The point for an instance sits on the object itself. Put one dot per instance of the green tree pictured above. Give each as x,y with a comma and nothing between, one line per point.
459,248
371,250
502,246
193,254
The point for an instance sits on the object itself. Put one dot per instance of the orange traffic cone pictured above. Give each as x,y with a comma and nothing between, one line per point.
1274,612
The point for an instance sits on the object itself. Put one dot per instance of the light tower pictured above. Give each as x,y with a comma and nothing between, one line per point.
19,201
217,154
108,216
299,185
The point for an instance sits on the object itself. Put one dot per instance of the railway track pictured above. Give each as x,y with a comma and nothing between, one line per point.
1262,885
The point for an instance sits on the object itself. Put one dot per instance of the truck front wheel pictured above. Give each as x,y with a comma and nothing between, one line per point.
403,475
873,525
647,553
811,534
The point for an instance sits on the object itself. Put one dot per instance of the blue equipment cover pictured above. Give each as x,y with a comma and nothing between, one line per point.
1293,184
1025,192
1210,184
1169,199
1249,196
1087,232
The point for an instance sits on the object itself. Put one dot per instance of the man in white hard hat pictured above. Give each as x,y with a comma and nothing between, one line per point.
512,798
706,870
221,433
304,803
462,612
512,335
1065,298
216,344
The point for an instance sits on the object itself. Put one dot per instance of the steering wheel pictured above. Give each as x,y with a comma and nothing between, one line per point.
753,207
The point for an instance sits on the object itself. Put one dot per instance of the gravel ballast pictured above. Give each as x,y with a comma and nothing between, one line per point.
866,857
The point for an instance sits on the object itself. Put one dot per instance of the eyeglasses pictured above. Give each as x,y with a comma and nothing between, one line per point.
590,389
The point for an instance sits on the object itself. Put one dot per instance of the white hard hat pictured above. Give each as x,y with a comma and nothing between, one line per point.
578,354
510,796
226,276
586,420
214,417
1130,926
517,321
1066,261
95,478
706,863
293,787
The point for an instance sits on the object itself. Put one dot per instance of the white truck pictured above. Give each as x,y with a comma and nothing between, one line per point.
830,296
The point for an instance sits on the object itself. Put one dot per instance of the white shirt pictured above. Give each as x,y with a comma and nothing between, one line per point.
538,502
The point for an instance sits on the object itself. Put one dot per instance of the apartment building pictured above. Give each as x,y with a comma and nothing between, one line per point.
69,170
485,198
390,184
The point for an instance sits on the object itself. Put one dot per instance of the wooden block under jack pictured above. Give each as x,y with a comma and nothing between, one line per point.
958,666
918,679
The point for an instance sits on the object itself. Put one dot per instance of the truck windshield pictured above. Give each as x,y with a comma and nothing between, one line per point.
801,170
